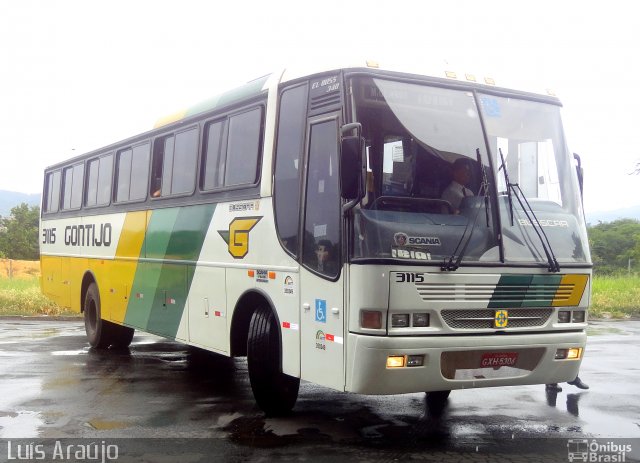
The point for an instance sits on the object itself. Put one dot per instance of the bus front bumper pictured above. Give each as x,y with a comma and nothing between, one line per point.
459,362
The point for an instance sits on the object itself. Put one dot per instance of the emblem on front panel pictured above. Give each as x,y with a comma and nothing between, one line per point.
237,236
501,319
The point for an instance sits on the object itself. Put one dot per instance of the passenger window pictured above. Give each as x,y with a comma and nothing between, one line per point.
133,173
174,164
243,148
73,179
99,181
52,198
214,157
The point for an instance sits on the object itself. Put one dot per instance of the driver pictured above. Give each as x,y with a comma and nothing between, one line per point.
459,186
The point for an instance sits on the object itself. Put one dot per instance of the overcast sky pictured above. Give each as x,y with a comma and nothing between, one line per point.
77,75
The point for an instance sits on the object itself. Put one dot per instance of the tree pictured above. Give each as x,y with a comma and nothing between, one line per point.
613,244
20,239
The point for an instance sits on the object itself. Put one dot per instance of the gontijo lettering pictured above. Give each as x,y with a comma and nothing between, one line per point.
88,235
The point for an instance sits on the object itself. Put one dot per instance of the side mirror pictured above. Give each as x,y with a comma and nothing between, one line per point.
580,172
351,162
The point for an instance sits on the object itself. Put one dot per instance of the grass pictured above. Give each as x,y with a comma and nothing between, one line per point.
20,295
615,296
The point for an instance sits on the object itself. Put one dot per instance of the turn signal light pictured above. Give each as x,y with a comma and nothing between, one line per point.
395,361
573,353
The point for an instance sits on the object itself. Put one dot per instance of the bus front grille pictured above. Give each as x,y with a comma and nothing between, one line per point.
479,319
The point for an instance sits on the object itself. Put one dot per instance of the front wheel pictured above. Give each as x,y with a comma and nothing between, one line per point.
275,392
437,400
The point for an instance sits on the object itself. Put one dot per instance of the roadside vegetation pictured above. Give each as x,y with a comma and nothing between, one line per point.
20,295
615,296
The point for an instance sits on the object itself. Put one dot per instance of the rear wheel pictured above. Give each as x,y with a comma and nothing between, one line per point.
102,333
275,392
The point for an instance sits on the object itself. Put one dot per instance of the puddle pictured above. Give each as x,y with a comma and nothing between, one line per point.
20,425
70,352
104,425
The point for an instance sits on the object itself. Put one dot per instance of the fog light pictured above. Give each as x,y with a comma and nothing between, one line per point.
578,316
420,319
395,361
574,353
561,354
399,320
371,319
564,316
415,360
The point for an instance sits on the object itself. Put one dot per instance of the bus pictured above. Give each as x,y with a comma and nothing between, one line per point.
370,230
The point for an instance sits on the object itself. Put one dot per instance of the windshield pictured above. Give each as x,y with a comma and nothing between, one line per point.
425,152
529,135
427,159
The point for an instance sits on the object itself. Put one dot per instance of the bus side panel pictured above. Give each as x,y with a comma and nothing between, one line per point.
50,268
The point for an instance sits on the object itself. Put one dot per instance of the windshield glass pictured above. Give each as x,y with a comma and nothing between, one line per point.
425,159
529,134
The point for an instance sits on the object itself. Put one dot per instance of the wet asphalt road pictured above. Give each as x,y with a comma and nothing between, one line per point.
53,386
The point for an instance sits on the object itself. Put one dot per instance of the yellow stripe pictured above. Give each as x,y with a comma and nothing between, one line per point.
116,277
170,118
570,291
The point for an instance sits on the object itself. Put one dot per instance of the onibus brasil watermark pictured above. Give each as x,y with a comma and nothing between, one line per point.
595,450
101,452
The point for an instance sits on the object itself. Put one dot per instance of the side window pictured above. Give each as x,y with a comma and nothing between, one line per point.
132,174
99,181
322,244
73,178
243,148
291,125
214,156
52,192
232,150
174,163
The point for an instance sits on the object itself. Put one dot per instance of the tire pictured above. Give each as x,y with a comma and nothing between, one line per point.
275,392
102,333
98,332
437,400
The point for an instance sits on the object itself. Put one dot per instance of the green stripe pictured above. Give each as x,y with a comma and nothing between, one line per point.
172,234
514,291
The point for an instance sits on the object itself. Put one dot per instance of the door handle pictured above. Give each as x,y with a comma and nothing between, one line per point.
306,306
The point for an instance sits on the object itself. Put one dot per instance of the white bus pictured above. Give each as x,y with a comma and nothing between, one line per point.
370,231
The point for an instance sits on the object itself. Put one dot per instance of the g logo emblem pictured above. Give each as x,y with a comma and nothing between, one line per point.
238,235
501,319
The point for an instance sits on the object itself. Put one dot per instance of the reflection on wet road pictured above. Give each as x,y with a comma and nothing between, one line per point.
54,386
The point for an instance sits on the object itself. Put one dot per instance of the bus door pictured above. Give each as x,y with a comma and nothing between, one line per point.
322,318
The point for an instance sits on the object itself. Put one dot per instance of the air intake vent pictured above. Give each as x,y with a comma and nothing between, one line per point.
325,102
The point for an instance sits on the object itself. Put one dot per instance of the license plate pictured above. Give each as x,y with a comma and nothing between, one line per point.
499,359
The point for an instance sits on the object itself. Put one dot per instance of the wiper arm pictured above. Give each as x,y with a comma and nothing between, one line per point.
554,266
452,265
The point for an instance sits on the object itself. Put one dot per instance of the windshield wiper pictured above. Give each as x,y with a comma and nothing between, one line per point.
453,263
554,266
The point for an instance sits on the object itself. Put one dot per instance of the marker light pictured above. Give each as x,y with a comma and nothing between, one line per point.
400,320
371,319
564,316
451,74
415,360
395,361
578,316
420,319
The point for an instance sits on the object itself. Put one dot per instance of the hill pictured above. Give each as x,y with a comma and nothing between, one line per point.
11,199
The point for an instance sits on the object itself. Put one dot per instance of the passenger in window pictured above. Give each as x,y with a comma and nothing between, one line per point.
459,189
326,258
